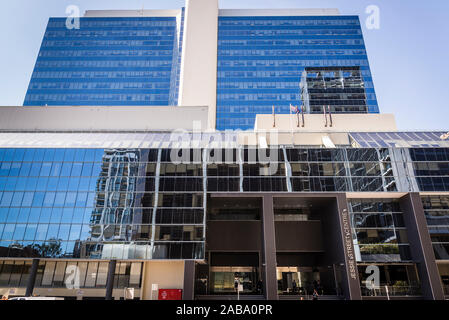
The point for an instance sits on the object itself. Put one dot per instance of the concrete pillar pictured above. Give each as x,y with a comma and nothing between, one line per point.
110,279
351,282
198,74
269,250
421,246
188,292
32,278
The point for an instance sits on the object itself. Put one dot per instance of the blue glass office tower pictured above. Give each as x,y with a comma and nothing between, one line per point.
261,61
107,61
138,60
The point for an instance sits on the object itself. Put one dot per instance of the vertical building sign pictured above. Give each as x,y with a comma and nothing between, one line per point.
349,251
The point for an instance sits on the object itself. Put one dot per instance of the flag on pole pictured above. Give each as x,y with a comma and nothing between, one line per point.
444,136
294,109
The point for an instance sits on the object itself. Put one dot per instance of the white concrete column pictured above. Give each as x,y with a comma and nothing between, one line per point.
198,76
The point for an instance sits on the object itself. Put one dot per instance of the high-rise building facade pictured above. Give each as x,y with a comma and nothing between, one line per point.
136,59
261,60
148,195
108,61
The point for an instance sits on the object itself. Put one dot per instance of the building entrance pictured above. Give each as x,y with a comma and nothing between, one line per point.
307,256
223,278
297,280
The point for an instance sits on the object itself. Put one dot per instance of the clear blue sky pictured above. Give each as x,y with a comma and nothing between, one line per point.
409,54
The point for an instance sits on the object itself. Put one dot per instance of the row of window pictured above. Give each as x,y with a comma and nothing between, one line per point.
257,96
283,33
284,21
161,51
55,274
50,169
112,34
343,99
91,250
38,199
305,185
284,72
438,218
46,215
47,199
62,274
27,188
100,85
103,63
51,154
380,236
245,64
31,191
374,206
280,53
158,99
86,215
116,22
98,74
377,220
305,52
433,183
429,154
288,62
93,43
173,162
382,252
431,168
107,232
50,184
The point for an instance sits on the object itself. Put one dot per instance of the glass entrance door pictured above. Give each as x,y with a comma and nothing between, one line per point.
222,279
303,280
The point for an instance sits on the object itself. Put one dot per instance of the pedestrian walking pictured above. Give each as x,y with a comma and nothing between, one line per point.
315,295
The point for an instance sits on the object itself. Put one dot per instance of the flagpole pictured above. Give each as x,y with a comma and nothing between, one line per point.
330,114
291,124
297,116
302,114
325,118
274,118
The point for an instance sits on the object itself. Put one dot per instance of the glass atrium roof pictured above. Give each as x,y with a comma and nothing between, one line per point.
400,139
113,139
212,140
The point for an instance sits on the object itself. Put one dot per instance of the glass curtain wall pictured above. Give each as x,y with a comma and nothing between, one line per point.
261,60
99,204
108,61
140,204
